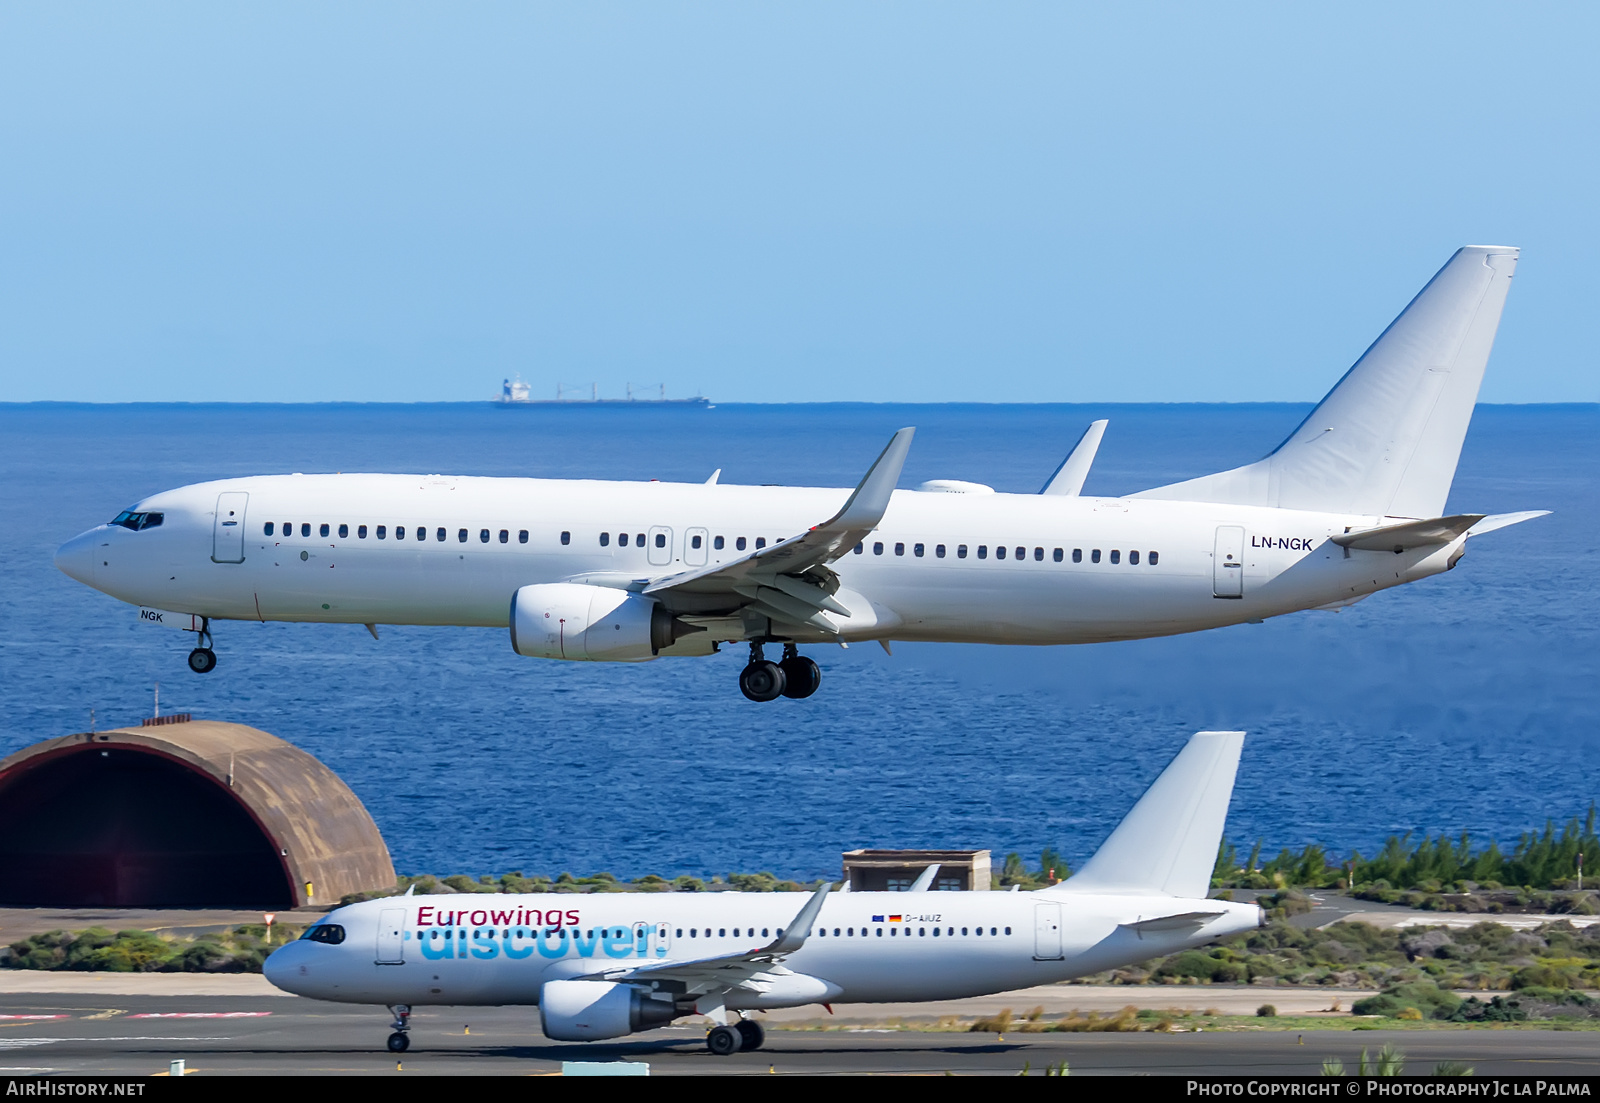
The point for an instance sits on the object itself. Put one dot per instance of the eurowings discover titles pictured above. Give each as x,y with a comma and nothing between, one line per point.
1350,504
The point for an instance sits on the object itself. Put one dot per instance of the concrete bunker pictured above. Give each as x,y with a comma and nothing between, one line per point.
187,814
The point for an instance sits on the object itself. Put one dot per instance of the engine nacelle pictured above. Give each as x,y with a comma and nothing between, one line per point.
590,1010
570,620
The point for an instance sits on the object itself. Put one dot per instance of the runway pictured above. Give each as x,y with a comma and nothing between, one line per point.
140,1035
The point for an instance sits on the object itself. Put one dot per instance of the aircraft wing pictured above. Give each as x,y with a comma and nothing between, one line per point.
789,581
753,969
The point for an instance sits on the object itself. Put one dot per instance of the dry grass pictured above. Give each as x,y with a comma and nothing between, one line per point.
1125,1021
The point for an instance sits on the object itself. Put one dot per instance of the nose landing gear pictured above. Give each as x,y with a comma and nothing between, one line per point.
400,1040
203,660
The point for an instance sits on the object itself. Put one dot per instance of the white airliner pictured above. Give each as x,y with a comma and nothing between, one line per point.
1349,504
605,966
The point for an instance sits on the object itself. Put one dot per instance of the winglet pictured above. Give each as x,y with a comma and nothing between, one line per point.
794,935
715,475
1068,478
871,498
924,879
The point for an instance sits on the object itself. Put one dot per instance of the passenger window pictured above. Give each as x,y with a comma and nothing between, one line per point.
505,536
1000,552
1038,555
938,551
483,536
638,538
305,529
1056,555
566,537
983,551
961,551
761,542
1155,557
877,547
661,539
288,528
605,539
860,547
461,535
622,539
522,536
739,543
267,528
1094,556
322,530
1008,930
718,542
1077,555
361,532
383,531
899,549
344,532
916,550
1022,553
1116,556
694,542
1133,558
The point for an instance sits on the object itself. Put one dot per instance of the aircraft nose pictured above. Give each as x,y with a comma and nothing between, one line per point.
282,967
75,558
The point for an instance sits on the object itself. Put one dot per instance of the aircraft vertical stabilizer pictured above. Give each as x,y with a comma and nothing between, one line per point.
1168,843
1385,440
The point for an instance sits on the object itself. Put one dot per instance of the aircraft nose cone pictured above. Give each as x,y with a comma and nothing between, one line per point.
281,967
75,558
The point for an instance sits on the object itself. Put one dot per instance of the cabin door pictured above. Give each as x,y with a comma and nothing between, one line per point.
1047,932
227,532
695,542
1227,567
660,549
391,949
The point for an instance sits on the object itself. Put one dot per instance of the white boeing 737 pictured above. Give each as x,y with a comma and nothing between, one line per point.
1349,504
609,965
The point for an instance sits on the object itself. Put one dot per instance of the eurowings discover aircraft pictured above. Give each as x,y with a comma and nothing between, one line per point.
606,966
1351,503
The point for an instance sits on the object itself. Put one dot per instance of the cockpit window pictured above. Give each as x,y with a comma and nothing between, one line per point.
136,521
331,933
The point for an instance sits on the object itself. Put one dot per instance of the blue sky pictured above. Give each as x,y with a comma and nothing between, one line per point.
768,202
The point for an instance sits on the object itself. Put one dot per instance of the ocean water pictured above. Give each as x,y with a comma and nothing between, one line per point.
1464,702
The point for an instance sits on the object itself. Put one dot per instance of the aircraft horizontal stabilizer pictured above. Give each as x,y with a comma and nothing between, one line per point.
1412,534
1174,922
1504,520
1168,843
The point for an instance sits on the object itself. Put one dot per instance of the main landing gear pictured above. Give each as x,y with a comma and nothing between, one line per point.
203,660
400,1040
795,676
742,1036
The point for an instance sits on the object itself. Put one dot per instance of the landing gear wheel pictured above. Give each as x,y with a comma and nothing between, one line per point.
801,676
399,1043
761,681
751,1034
202,660
724,1041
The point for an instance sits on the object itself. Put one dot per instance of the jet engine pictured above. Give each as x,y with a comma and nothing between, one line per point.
570,620
589,1010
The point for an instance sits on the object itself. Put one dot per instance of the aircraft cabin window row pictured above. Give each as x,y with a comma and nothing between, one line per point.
380,531
919,551
696,541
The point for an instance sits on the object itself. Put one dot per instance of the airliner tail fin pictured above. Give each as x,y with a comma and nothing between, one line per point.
1385,440
1168,843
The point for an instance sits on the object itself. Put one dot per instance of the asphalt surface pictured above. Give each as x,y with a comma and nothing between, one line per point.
292,1036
